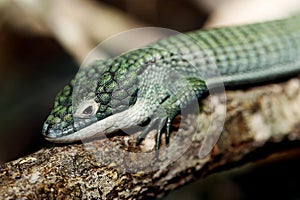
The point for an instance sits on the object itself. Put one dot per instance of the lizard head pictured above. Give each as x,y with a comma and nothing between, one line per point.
103,97
96,93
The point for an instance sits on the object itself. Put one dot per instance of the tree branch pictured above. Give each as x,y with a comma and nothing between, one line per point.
256,118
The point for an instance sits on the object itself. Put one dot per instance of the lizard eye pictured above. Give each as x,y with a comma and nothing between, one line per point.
86,109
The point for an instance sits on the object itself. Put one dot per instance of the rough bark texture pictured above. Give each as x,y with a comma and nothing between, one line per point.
257,118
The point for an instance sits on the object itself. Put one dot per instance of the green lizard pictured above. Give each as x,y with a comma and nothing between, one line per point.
135,88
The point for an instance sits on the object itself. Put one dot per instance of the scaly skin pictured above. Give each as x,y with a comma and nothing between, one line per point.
153,83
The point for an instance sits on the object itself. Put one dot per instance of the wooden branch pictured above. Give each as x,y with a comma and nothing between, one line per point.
256,118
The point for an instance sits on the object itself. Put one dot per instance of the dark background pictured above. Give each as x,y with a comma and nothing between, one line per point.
34,66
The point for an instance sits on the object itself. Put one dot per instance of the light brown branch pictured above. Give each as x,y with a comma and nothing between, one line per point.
255,117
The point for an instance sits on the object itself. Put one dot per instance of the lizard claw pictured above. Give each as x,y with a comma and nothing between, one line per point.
161,125
145,132
168,129
164,126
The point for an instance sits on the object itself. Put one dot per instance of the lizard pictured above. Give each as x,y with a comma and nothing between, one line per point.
150,85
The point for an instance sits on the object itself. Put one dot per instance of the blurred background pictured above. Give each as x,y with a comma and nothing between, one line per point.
43,43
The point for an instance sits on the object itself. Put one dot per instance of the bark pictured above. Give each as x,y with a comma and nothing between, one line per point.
257,118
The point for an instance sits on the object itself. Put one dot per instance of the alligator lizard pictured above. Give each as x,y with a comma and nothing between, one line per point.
134,88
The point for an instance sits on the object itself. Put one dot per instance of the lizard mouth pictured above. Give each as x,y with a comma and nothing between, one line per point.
52,133
65,133
98,128
124,119
80,129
